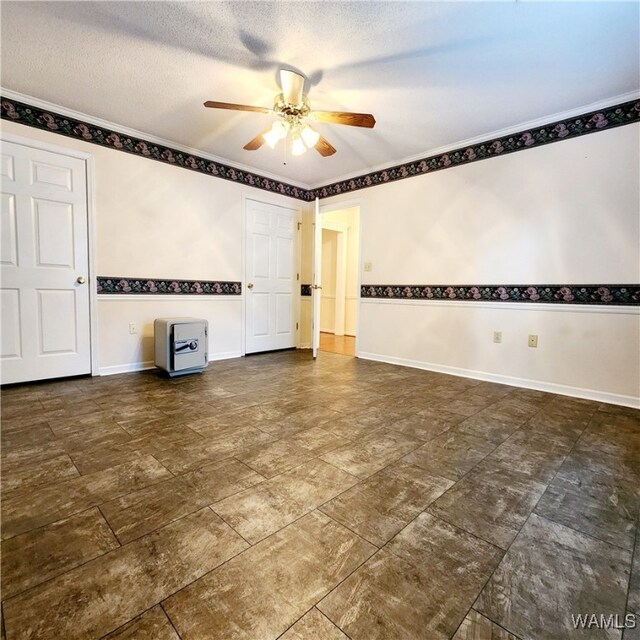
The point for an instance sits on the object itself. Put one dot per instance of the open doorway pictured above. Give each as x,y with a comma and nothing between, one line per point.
339,299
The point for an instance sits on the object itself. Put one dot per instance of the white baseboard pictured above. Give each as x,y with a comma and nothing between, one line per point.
125,368
144,366
332,332
224,355
538,385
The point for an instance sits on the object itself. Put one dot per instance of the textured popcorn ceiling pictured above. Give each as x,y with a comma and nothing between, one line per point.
432,73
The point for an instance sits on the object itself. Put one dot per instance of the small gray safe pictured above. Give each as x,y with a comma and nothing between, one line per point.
181,345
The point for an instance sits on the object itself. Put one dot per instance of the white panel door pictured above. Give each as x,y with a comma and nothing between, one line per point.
44,262
317,278
270,277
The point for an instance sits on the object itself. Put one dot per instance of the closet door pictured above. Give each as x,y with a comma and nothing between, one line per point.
44,265
270,277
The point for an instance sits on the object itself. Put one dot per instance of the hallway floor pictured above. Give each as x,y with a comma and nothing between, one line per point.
342,345
280,497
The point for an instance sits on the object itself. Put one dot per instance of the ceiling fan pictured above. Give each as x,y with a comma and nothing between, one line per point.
295,117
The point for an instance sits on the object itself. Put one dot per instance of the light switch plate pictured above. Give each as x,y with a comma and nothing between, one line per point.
368,266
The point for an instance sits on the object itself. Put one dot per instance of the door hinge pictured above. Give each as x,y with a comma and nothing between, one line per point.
299,225
297,276
296,326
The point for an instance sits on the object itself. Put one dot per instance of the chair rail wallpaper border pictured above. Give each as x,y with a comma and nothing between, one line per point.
110,285
592,294
531,138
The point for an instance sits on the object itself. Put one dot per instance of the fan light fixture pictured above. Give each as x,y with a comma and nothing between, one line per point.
293,110
303,137
278,131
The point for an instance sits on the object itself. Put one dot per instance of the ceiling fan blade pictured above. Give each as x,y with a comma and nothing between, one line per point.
344,117
292,86
235,107
257,142
324,147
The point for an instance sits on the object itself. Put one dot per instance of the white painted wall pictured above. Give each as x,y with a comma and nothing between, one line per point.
347,219
565,213
158,221
329,263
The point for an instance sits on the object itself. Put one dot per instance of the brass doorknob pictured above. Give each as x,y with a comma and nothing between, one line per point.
80,280
250,285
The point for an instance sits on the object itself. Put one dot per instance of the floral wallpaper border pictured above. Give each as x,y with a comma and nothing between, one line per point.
72,128
600,294
153,286
610,294
591,122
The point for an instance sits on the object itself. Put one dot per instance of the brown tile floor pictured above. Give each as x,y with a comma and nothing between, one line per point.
278,497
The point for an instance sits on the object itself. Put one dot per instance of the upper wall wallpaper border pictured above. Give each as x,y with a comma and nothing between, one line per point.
591,122
72,128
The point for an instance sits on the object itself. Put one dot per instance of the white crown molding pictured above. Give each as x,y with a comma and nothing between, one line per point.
530,124
107,124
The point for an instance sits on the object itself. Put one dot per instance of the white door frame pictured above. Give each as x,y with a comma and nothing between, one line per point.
340,306
339,206
276,200
91,229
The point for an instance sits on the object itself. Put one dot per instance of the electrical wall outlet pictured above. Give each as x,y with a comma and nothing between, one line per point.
133,328
533,340
368,266
497,336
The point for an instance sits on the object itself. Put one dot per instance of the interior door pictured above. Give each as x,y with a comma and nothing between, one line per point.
44,265
317,276
270,274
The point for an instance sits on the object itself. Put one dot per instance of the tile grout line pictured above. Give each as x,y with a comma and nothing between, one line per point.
170,620
521,528
307,612
238,554
584,533
117,539
355,533
459,528
324,615
66,571
124,624
636,551
230,526
115,535
92,505
4,621
160,463
492,622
